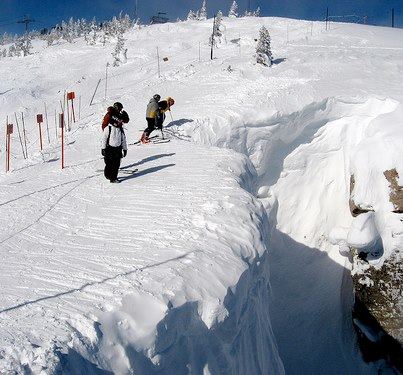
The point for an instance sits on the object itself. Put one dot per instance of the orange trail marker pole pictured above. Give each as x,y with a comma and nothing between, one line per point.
61,125
39,120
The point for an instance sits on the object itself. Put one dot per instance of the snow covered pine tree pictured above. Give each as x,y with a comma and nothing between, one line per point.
191,15
263,50
120,52
233,11
202,14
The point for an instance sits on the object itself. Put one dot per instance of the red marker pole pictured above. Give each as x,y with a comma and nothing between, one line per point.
61,125
39,120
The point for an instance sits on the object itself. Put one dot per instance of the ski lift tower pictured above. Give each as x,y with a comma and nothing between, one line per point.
27,21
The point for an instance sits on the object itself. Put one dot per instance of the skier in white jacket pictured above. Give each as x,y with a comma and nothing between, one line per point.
114,147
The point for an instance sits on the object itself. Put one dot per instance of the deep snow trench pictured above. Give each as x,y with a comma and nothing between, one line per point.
311,289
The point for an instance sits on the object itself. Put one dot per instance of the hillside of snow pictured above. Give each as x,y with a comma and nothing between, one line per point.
227,251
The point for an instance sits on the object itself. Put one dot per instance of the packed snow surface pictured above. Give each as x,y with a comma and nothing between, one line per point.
169,270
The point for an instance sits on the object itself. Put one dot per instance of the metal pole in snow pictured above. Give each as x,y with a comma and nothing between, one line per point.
8,150
393,17
327,16
55,124
19,134
7,144
158,60
40,134
72,110
106,79
61,124
212,40
96,88
68,114
47,123
25,136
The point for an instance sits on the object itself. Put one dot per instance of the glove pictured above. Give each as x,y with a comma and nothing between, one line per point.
124,153
103,152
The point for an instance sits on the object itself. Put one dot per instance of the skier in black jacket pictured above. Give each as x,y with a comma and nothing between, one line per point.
114,145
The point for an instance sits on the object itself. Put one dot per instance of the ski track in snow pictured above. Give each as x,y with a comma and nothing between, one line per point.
79,255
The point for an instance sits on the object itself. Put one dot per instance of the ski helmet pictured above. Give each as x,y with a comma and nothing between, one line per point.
157,97
118,106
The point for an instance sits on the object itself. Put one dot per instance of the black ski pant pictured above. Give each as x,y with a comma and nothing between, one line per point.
152,124
112,162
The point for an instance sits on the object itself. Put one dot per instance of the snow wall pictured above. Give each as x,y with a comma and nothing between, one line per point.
239,342
304,162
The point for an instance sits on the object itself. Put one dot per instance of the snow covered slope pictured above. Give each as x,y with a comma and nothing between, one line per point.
169,271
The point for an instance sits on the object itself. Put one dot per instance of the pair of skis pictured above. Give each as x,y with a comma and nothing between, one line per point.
122,170
153,139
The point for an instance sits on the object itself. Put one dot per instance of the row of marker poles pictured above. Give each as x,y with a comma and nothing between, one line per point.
39,119
71,117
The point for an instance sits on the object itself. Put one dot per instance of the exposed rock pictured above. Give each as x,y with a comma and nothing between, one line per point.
396,191
378,314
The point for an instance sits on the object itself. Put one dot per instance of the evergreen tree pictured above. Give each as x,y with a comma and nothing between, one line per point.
216,35
53,36
263,49
137,24
25,44
92,36
12,51
233,12
202,15
120,52
191,15
249,13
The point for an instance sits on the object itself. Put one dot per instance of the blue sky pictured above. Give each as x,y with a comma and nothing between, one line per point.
50,12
